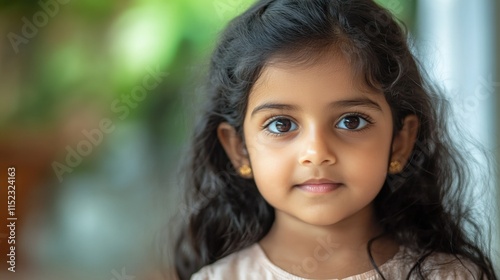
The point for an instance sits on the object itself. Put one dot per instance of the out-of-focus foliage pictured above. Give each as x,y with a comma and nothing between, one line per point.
92,200
96,50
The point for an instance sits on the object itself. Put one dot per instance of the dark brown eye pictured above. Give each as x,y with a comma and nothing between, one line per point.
352,123
281,125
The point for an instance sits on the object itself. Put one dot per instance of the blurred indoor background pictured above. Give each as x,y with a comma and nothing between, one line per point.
97,99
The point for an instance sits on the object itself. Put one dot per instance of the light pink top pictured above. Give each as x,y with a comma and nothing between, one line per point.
252,263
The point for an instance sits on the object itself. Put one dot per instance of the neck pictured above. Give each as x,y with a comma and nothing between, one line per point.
291,241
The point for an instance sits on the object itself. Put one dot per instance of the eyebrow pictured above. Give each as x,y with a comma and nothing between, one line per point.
357,102
362,102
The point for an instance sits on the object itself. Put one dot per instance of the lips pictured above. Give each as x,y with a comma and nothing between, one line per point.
319,186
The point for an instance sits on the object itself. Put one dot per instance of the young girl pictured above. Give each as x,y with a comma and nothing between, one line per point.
322,153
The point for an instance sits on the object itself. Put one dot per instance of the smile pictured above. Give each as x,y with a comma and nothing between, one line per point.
318,186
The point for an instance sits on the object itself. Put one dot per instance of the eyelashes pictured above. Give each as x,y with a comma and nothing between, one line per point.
279,125
354,121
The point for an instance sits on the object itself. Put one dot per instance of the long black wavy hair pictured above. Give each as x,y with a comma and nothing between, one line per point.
422,208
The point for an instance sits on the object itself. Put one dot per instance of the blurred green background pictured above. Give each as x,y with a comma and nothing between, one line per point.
97,99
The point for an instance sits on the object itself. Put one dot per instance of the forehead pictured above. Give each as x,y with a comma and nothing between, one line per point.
324,79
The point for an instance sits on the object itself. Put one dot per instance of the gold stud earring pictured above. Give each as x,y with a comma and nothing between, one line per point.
245,170
395,167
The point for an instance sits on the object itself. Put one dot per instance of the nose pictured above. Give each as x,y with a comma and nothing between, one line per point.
317,149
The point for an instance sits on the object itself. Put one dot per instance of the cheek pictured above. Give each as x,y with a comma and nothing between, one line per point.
269,173
366,165
272,168
270,163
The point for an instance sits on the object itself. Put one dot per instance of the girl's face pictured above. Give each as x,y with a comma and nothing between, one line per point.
318,141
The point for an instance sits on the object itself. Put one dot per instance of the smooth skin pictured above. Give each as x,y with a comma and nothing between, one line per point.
318,122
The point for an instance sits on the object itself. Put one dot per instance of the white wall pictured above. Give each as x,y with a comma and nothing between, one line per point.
456,42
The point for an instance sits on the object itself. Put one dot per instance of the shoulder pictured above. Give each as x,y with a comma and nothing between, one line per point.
448,266
239,265
444,266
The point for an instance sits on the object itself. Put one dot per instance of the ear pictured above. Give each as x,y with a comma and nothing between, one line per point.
234,146
404,140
